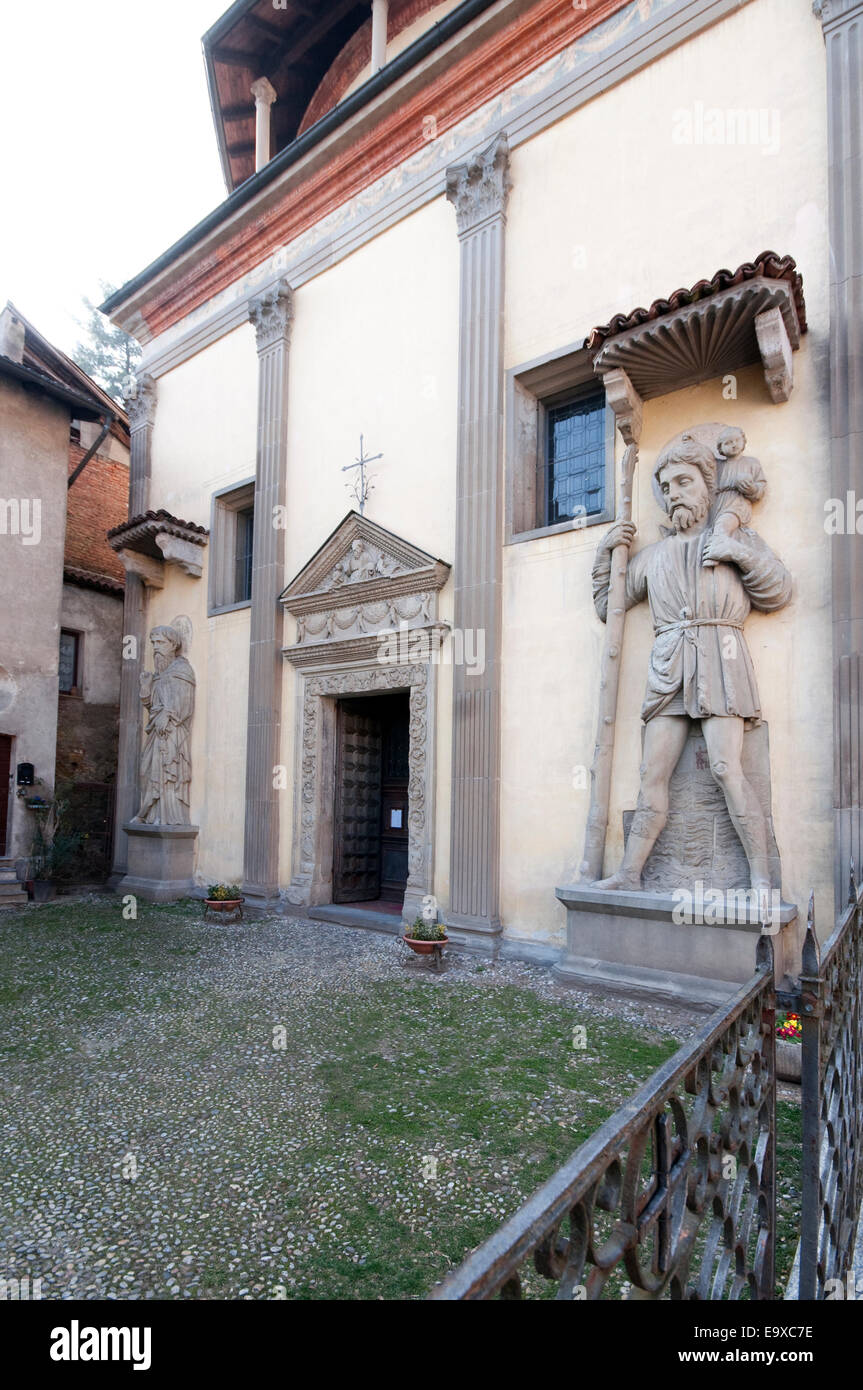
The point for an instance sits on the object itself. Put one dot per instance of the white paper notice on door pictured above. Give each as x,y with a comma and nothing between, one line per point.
395,820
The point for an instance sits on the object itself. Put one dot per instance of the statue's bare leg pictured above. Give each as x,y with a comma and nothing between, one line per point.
664,740
724,739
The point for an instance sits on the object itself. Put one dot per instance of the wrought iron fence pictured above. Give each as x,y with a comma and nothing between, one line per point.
674,1195
831,1011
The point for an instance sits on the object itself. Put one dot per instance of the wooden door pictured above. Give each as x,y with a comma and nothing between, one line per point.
5,769
357,811
394,787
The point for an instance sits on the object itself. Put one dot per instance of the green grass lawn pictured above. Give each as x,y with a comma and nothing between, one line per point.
158,1140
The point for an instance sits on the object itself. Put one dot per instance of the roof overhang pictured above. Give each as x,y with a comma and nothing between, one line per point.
81,407
734,320
293,47
323,141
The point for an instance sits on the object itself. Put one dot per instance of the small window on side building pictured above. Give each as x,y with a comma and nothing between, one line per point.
70,662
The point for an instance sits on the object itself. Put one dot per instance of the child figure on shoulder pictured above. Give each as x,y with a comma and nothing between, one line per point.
741,482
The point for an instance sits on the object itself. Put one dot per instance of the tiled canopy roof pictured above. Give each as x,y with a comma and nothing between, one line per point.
88,580
768,266
149,524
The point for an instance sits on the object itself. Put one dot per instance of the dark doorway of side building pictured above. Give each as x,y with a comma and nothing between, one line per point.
5,788
370,829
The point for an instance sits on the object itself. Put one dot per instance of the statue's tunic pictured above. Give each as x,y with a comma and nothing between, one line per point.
166,768
694,668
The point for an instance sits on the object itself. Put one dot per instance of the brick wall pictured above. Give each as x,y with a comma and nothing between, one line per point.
98,501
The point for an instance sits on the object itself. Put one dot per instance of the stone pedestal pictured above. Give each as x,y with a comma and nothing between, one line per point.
636,943
161,862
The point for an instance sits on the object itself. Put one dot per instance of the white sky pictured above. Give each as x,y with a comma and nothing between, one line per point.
107,147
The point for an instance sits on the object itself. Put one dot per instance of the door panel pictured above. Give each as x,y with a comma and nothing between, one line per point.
394,821
357,820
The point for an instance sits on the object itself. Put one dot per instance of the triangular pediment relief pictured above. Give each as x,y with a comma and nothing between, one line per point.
359,562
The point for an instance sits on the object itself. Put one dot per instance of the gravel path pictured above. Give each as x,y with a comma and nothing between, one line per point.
280,1108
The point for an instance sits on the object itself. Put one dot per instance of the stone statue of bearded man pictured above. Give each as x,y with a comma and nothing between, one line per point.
700,666
168,696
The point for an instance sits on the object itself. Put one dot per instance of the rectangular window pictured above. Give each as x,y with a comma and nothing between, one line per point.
231,548
243,555
560,447
573,465
70,656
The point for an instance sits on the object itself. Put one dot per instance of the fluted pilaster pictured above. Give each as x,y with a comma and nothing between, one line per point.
843,37
478,189
272,315
141,410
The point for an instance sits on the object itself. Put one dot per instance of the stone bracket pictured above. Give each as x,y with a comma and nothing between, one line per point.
626,403
184,554
775,348
754,321
151,571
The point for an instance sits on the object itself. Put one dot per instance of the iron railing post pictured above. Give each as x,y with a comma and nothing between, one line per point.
766,1274
811,1008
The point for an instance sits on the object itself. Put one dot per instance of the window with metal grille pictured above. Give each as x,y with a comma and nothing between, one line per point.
243,558
574,463
70,654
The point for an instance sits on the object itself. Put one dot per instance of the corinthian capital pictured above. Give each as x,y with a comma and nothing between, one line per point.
141,402
272,313
478,189
831,11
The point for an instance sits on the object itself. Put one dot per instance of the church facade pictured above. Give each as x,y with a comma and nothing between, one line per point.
472,255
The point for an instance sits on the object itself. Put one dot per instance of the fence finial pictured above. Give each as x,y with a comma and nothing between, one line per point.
811,955
852,883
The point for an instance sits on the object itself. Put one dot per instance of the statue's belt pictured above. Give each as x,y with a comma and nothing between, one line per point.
696,622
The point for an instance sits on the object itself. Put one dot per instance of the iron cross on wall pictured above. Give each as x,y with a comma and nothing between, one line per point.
362,485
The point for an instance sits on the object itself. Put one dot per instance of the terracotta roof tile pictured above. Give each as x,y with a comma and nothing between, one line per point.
92,581
768,265
160,515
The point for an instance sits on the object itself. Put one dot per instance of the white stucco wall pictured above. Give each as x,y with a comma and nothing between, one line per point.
203,441
373,351
598,225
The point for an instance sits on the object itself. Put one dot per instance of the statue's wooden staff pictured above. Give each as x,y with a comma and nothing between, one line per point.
600,773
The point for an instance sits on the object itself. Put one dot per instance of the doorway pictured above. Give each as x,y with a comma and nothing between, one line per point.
5,788
370,820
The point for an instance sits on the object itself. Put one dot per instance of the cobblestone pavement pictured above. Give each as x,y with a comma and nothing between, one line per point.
280,1108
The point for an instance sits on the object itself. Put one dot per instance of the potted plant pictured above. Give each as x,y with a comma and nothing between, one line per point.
789,1049
52,851
224,897
426,938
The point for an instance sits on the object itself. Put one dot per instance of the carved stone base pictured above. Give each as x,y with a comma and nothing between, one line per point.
161,862
630,942
260,902
475,935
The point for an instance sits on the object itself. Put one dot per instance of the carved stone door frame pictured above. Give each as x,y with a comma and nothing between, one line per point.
312,880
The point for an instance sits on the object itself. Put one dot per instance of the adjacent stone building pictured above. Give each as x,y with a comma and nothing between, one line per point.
65,471
491,243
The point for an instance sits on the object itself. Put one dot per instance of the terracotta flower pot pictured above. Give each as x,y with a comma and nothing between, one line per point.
224,905
789,1060
424,948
